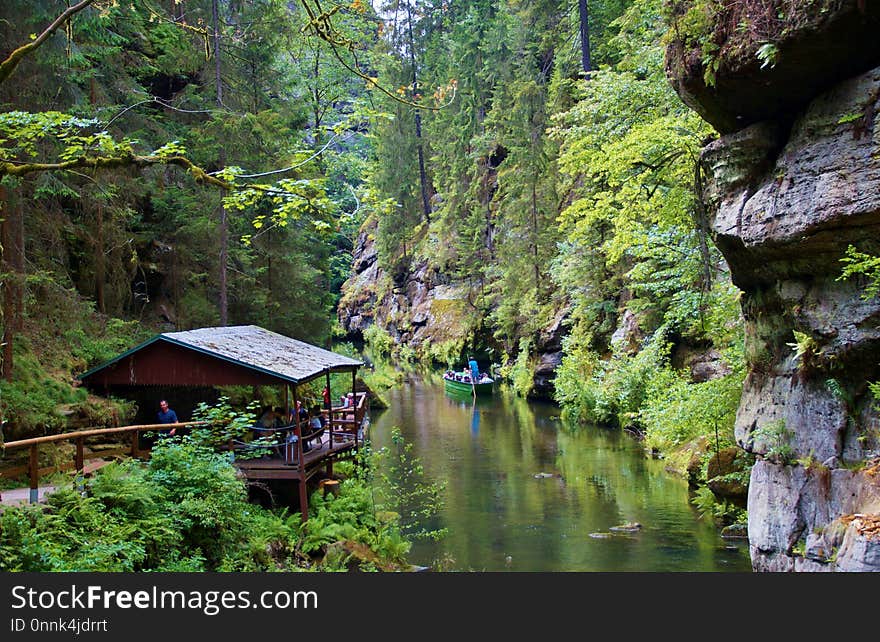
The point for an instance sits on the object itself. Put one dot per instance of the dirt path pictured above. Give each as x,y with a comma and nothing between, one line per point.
13,496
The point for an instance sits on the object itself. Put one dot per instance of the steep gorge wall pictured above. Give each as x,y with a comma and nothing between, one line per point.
419,309
431,313
794,181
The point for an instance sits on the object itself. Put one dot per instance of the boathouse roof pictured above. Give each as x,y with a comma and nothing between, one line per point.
229,355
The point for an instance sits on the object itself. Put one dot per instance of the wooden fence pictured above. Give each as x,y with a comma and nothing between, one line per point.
33,468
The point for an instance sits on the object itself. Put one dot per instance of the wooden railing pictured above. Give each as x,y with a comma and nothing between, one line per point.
347,420
33,468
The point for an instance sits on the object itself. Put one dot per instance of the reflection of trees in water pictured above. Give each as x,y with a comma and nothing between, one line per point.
496,507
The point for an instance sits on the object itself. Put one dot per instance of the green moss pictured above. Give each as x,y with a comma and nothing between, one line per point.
727,35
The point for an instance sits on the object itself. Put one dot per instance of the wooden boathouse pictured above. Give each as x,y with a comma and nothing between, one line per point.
251,356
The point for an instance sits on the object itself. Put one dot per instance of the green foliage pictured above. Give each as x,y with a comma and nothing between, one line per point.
768,54
224,422
379,341
521,375
579,364
857,263
807,351
186,511
723,512
615,389
774,439
874,387
677,411
402,489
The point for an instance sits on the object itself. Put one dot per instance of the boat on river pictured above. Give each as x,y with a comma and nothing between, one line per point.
461,383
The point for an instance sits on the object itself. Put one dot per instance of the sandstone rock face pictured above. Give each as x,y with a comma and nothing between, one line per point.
806,518
426,308
785,204
815,44
421,309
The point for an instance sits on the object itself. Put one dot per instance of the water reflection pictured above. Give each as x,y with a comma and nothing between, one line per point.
526,492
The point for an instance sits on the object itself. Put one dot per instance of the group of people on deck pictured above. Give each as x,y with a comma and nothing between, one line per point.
312,421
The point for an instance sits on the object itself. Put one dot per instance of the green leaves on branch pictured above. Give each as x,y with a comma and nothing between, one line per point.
290,200
21,132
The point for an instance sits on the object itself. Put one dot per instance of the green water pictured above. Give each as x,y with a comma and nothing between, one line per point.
526,492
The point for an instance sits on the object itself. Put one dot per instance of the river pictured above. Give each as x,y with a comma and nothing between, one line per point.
526,492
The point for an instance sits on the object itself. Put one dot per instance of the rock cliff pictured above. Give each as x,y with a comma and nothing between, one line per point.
419,308
431,314
793,182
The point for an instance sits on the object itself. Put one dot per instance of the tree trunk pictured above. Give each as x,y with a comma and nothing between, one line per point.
585,37
535,235
224,223
423,176
99,261
11,233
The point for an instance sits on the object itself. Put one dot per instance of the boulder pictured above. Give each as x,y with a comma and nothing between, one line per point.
727,472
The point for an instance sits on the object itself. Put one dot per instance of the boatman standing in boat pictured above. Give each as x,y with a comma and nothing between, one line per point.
475,370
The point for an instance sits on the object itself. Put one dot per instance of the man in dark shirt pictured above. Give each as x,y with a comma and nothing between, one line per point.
166,416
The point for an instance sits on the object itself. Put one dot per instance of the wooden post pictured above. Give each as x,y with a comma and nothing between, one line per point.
78,463
329,404
303,485
354,416
135,437
354,405
330,486
298,432
34,470
78,458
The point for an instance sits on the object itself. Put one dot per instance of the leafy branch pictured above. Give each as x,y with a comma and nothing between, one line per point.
8,66
321,25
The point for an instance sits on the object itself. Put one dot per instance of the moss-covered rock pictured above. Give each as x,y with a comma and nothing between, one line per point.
738,63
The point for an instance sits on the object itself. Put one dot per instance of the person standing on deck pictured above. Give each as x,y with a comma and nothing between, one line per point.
475,369
166,416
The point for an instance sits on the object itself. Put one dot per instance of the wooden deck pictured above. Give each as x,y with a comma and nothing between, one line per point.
341,439
316,459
